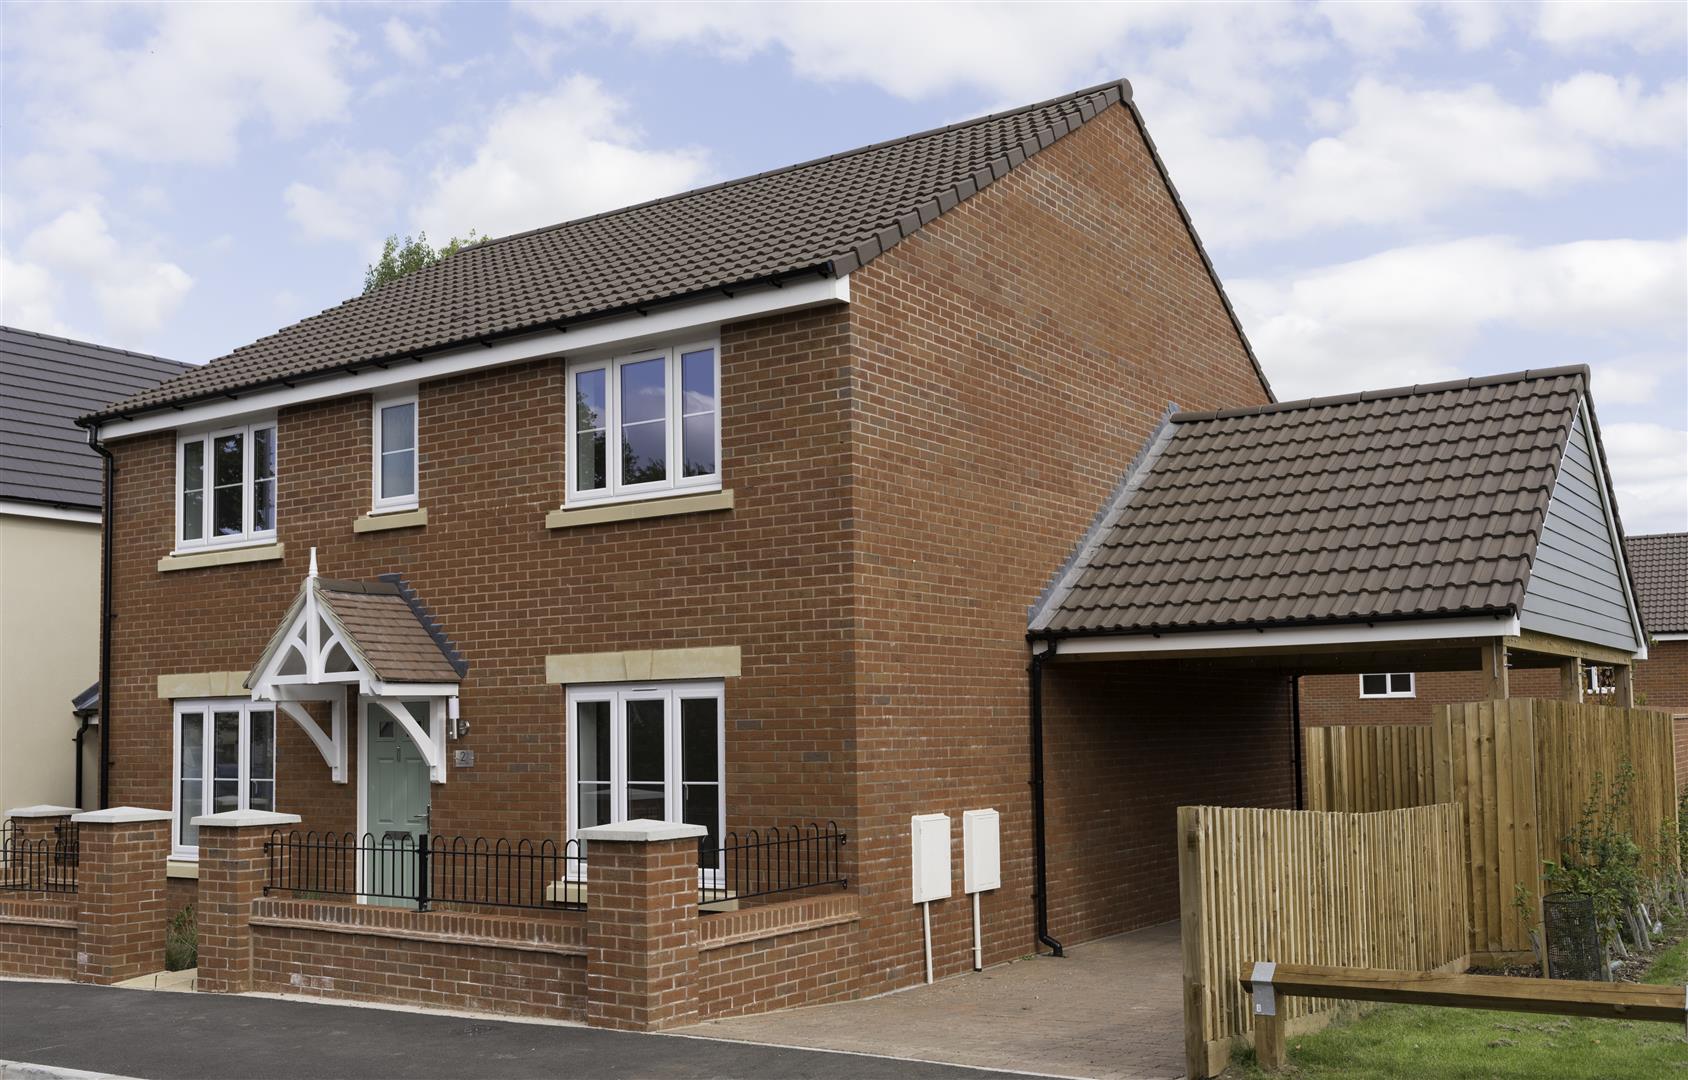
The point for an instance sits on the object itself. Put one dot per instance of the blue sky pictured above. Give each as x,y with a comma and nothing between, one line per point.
1392,193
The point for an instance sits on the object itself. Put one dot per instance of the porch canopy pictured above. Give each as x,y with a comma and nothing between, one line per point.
1425,528
371,636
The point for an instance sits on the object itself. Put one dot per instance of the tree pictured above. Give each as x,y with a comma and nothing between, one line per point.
400,257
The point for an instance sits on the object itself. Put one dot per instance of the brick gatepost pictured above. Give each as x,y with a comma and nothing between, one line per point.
641,924
33,824
232,868
120,891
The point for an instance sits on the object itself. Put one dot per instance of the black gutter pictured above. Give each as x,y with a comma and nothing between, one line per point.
106,617
1295,734
1039,839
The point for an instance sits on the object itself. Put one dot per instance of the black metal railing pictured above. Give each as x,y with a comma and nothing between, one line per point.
761,862
427,869
43,863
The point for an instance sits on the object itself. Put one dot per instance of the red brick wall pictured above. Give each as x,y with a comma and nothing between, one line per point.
37,938
1335,699
1013,357
533,966
800,952
1661,682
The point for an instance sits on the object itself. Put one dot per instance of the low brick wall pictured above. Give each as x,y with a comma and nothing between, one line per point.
37,938
800,952
527,965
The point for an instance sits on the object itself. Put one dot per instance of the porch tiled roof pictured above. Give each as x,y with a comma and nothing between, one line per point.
1659,565
1420,502
388,631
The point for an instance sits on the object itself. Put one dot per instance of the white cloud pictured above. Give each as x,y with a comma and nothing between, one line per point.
30,296
547,158
360,189
408,42
1618,111
1411,314
1378,26
134,292
1644,25
1650,472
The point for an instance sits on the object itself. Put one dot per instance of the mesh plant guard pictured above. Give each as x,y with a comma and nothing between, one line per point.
1573,938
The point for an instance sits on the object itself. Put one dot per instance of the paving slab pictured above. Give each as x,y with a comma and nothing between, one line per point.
1108,1009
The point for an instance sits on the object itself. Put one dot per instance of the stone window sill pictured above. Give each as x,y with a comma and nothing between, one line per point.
233,556
182,868
664,506
391,519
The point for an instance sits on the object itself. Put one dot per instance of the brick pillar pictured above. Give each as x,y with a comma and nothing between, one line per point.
232,869
120,893
32,825
641,924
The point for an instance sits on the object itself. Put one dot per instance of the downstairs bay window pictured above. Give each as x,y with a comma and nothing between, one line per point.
225,486
652,751
644,424
224,760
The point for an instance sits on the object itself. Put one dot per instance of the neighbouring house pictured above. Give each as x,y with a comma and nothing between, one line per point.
50,558
873,487
1660,565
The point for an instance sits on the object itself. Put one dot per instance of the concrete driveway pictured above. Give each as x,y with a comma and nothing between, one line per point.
1110,1008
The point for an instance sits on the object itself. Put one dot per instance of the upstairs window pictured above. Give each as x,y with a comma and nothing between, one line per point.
225,486
395,453
644,424
1394,685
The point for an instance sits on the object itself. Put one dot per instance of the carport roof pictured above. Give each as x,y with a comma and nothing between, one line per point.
1423,502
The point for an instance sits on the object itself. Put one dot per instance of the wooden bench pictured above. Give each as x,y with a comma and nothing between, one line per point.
1563,997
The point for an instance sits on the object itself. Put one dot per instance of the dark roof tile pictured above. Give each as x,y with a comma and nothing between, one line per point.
1659,566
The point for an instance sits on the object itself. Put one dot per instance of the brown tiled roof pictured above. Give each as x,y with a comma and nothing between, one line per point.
388,631
1658,565
1420,502
824,217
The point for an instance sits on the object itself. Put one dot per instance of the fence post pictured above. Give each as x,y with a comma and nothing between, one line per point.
34,825
232,871
120,893
641,924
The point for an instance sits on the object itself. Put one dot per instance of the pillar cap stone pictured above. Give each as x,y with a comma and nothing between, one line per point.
119,815
240,819
44,810
642,831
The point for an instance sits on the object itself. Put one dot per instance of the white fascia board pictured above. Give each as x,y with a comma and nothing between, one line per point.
1670,637
666,320
1363,634
51,513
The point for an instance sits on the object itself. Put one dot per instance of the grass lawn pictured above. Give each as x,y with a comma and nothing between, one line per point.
1444,1044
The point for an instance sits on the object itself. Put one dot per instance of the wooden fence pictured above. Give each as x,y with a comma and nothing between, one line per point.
1520,770
1384,889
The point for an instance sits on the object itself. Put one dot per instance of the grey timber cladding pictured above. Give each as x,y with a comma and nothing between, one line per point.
1418,502
45,384
1576,588
1658,565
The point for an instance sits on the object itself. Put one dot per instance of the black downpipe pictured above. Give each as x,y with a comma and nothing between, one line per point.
81,731
1295,734
1039,844
106,617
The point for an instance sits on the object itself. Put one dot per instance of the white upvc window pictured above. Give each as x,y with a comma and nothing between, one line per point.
1398,684
396,470
643,424
225,486
651,751
1598,679
224,758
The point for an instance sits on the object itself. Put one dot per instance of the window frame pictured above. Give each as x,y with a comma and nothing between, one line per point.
1390,691
206,437
379,501
676,482
208,707
1596,684
618,694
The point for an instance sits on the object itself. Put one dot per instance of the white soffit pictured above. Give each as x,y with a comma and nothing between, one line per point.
663,321
1290,637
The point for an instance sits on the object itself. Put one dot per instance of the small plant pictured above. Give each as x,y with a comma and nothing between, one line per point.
1524,905
181,941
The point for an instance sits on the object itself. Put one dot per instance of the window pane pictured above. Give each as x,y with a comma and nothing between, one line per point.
697,450
193,491
590,461
699,741
398,474
703,807
697,381
193,466
193,515
1401,684
647,801
260,755
593,805
225,796
646,735
226,464
263,453
398,427
644,391
589,401
1374,684
225,512
263,506
225,746
644,452
193,746
262,796
263,479
592,737
187,833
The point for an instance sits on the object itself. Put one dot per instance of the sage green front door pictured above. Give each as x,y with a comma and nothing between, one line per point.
396,805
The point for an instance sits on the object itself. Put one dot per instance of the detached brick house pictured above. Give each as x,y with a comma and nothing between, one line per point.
739,508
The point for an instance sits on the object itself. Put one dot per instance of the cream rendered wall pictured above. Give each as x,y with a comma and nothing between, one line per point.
49,653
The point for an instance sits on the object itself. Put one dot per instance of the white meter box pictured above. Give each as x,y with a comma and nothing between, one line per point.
931,834
981,848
